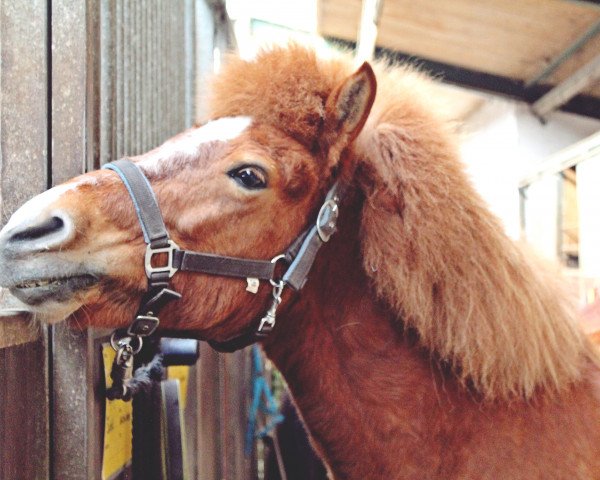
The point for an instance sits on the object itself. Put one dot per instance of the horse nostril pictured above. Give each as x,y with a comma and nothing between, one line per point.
33,232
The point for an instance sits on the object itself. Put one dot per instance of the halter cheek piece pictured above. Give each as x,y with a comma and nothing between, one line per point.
298,258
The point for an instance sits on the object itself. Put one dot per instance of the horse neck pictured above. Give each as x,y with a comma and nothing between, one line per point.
345,358
364,386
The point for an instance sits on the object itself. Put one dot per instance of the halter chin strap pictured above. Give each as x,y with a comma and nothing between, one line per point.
299,257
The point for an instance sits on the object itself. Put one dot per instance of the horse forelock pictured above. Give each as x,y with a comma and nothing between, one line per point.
283,87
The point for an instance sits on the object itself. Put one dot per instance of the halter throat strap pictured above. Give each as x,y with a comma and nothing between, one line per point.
299,257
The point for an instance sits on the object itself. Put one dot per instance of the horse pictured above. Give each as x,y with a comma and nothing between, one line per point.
424,342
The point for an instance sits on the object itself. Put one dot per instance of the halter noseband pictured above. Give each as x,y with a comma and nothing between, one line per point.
299,258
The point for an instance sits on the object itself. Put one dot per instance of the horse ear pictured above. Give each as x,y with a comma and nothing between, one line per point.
347,109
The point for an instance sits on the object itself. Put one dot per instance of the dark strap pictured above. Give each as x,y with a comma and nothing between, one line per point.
155,233
144,201
304,253
301,254
300,257
297,273
220,265
236,343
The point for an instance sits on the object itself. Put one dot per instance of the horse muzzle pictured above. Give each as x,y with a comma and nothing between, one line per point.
33,265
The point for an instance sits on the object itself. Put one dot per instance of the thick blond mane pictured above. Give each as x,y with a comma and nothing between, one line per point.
438,256
433,251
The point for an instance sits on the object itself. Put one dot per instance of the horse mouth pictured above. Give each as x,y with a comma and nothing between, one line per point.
40,290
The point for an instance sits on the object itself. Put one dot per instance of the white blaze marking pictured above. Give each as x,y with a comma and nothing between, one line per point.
188,143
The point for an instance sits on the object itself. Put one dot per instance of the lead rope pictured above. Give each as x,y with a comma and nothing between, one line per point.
125,383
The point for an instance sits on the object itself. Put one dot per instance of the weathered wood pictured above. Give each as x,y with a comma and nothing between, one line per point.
71,383
76,368
16,326
24,412
23,123
237,392
209,416
69,88
190,415
584,77
17,330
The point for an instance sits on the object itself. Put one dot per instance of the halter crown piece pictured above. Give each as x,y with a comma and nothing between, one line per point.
299,258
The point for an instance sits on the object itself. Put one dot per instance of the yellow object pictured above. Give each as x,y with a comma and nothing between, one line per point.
117,426
181,373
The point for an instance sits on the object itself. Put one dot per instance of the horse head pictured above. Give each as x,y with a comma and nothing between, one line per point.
241,185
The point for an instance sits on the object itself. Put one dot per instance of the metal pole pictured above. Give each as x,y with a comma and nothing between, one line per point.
367,33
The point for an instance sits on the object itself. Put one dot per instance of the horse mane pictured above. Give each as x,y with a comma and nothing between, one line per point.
432,250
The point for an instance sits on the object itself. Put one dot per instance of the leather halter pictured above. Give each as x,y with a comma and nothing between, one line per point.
299,258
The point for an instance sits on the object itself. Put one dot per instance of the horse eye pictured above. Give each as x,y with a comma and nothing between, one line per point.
250,177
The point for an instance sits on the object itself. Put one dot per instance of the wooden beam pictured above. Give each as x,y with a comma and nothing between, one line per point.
582,104
562,93
568,157
367,32
565,55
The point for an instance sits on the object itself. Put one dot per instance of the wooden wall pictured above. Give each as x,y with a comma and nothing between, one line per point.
83,83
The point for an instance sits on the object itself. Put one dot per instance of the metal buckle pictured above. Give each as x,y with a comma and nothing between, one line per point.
267,323
327,219
150,252
143,325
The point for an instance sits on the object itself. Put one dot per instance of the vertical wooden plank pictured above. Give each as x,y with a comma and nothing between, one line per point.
191,433
237,392
24,410
76,446
209,420
93,84
189,19
107,87
23,123
69,88
205,45
69,385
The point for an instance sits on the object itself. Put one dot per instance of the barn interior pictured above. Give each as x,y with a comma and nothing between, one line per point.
519,82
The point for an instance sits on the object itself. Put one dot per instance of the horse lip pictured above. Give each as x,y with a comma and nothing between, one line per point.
37,291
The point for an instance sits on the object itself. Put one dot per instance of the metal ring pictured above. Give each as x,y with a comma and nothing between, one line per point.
277,289
275,259
114,343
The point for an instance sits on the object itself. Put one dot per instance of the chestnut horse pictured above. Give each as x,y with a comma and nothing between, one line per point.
424,345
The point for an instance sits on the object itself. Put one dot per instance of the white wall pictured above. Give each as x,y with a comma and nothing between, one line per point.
588,200
537,141
489,149
503,142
